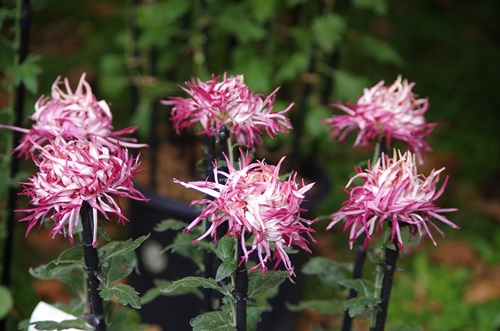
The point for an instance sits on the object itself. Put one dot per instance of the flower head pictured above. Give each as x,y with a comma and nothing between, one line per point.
254,201
393,194
385,111
75,172
214,104
75,115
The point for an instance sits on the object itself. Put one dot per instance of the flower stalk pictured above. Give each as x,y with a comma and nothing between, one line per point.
241,290
93,270
389,267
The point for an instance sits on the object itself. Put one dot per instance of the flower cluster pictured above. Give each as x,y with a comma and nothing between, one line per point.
229,103
385,112
254,201
75,172
74,115
393,194
81,160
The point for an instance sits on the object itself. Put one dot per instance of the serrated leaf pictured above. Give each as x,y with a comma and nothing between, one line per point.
213,321
329,307
170,224
6,301
358,305
121,248
64,325
261,283
125,294
225,269
360,285
225,249
118,267
196,282
328,31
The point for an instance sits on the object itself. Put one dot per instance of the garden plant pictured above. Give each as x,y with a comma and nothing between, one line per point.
259,103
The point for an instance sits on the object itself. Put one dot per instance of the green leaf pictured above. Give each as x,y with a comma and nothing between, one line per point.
360,285
329,307
170,224
225,269
125,294
6,301
125,319
213,321
70,274
328,31
358,305
67,324
330,272
71,255
160,284
114,248
183,245
380,50
225,249
258,282
196,282
118,267
247,30
26,73
101,231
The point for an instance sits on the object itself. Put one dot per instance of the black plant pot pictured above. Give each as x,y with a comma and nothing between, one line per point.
174,313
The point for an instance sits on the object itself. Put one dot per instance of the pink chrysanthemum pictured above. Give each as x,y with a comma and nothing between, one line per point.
72,173
385,111
393,194
214,104
75,115
255,201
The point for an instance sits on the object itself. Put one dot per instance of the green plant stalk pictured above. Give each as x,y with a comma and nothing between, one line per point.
379,277
93,270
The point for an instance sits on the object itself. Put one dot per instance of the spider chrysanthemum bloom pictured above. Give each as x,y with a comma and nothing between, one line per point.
393,194
74,115
76,172
390,112
229,103
254,201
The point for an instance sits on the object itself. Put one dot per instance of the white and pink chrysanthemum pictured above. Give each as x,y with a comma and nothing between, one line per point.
394,195
229,103
75,115
254,201
392,112
75,172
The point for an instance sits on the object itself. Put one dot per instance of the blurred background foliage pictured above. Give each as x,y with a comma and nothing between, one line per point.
320,52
